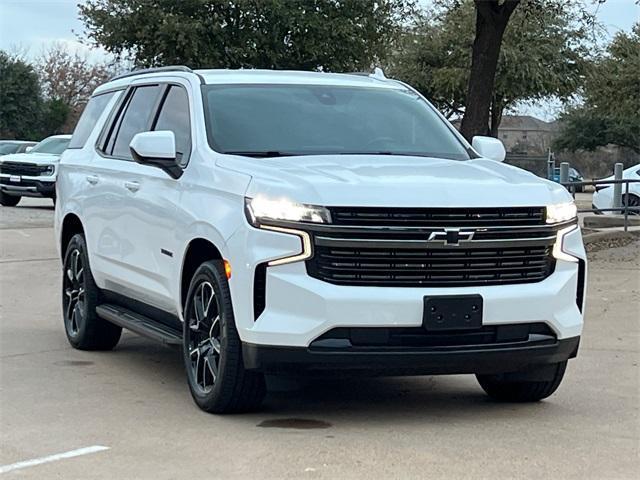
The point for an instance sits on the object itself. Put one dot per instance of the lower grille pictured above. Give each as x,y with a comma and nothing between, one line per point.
28,169
419,267
418,337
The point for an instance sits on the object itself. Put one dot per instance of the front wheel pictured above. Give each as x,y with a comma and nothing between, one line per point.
212,349
507,389
9,200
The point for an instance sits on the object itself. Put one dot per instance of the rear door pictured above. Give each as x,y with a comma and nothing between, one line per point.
115,239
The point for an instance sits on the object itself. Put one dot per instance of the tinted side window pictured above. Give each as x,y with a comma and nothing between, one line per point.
136,119
89,118
174,116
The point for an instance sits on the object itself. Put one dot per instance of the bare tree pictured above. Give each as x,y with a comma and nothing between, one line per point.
70,78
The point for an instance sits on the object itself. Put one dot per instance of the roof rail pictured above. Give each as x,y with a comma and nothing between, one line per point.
170,68
377,73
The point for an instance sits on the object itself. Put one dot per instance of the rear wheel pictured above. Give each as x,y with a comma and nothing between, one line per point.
506,388
84,329
631,201
9,200
212,350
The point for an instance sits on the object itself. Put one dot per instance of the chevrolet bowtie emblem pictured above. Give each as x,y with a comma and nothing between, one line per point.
451,236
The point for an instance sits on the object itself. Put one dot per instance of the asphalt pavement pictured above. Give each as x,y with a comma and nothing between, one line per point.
128,413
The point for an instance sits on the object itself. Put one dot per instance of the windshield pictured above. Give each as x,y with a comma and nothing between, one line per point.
275,120
8,147
51,145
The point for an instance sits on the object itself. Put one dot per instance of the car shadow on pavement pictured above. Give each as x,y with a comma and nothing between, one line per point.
300,400
438,399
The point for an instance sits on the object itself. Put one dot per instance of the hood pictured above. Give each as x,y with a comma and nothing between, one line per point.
39,158
380,180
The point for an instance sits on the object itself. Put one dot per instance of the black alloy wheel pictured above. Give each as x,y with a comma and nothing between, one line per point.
204,337
631,201
74,293
80,297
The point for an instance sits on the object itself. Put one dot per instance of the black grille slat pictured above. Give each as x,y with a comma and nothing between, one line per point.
439,217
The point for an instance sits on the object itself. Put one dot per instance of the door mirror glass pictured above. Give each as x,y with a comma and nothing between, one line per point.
157,149
489,147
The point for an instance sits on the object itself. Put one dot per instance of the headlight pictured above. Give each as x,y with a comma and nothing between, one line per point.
48,170
263,209
561,212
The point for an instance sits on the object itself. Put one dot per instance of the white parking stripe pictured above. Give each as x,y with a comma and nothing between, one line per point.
52,458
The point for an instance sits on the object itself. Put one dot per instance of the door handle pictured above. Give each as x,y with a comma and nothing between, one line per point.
92,179
132,186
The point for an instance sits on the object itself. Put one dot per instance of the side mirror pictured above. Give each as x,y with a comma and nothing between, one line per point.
489,147
157,149
28,149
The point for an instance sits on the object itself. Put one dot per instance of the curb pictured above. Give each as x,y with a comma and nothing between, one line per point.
604,236
609,221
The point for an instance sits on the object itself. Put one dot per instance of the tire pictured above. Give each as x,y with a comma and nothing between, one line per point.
212,349
501,388
80,297
9,200
631,201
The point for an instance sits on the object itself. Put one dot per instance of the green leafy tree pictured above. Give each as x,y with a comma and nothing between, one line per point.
544,54
20,99
53,118
331,35
610,113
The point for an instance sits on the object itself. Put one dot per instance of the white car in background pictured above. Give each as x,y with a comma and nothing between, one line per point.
8,147
32,174
603,197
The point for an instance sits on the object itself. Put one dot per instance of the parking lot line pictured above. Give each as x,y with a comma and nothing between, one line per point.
52,458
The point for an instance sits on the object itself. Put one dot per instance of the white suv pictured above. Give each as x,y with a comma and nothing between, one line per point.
31,174
303,223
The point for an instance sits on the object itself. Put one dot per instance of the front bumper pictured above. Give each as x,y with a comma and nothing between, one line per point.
477,359
28,186
298,309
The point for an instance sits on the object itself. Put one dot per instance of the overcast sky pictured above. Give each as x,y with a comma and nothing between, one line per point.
32,25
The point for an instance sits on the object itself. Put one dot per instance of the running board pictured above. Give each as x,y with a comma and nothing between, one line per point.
139,324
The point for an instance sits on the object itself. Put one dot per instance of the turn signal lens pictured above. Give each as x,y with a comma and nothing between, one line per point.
227,269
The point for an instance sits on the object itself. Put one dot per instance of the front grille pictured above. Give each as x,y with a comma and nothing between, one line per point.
430,268
27,169
437,217
397,247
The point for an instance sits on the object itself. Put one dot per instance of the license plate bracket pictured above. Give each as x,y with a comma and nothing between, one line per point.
452,312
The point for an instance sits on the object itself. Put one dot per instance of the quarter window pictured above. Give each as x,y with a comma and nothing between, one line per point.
136,119
174,116
89,118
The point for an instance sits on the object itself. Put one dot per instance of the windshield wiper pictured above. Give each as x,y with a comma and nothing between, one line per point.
265,154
